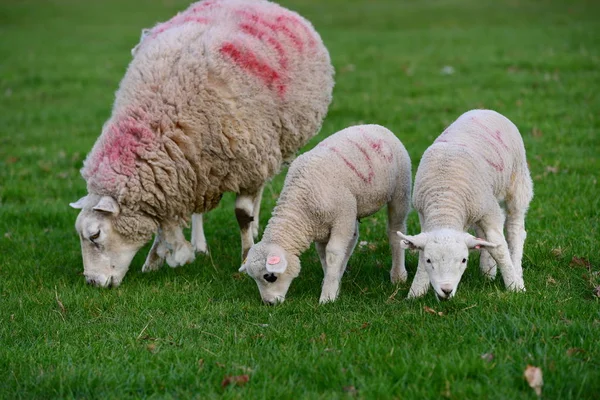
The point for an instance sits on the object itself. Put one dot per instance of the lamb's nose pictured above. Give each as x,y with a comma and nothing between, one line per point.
447,292
269,302
90,281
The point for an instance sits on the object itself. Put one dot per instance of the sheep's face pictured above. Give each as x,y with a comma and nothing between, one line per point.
273,270
106,254
444,253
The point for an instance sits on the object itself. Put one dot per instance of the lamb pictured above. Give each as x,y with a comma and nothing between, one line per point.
350,175
214,101
476,163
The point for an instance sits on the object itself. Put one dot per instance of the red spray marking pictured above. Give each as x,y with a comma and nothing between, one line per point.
381,148
298,23
250,62
264,36
366,178
499,166
275,27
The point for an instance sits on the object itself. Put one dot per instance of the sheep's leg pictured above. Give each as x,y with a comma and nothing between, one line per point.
516,207
342,239
176,250
420,284
493,225
397,211
198,239
487,265
245,204
154,261
321,251
256,212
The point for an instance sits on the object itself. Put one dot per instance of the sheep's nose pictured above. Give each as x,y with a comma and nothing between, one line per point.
447,292
269,302
91,281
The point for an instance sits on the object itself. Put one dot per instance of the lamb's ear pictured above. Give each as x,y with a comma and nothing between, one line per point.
477,243
276,261
242,268
107,204
416,242
79,203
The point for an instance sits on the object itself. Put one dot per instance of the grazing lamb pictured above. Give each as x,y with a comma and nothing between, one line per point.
214,101
476,163
350,175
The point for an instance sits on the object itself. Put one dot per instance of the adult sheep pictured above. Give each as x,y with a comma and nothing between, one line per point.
214,100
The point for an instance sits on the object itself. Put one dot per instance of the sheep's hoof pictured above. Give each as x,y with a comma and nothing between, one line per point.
153,263
201,248
397,276
183,254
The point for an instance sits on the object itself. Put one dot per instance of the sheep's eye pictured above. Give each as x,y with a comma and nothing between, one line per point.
428,261
95,236
270,277
464,260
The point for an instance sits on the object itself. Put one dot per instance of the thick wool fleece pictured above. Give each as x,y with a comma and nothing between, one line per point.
213,101
351,174
476,162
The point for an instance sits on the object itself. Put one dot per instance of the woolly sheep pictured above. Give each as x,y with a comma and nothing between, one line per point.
213,101
350,175
476,163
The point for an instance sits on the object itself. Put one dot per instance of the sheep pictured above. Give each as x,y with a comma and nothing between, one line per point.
477,163
350,175
214,101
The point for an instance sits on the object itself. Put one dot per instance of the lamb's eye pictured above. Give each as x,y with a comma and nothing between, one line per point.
464,260
95,236
428,261
270,277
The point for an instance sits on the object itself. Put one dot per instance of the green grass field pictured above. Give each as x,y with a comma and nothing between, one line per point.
178,333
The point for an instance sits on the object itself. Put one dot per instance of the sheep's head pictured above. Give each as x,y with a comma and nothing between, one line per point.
106,253
444,253
273,269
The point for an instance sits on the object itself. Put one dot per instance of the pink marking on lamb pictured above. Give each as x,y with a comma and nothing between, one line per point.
496,135
298,23
279,27
267,37
178,20
366,178
498,166
248,61
379,145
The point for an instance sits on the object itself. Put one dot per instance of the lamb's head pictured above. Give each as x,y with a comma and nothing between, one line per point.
444,253
273,269
106,253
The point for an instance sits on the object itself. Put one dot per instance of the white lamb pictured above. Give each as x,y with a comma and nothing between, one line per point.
214,100
350,175
476,163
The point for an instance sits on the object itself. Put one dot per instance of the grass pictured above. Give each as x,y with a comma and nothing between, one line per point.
179,333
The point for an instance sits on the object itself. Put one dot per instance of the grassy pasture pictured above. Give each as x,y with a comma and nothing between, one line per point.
180,332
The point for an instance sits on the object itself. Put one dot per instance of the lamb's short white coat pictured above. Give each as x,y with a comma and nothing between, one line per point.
476,166
350,175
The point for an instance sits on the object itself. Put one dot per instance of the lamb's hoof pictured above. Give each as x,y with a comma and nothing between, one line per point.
183,254
414,294
201,248
518,286
327,299
398,276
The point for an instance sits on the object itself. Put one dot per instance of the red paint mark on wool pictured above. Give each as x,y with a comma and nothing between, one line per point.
280,26
248,61
284,19
493,139
367,178
122,141
381,148
265,36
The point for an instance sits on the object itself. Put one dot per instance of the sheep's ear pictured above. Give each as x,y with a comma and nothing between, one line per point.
79,203
107,204
242,268
477,243
276,261
416,242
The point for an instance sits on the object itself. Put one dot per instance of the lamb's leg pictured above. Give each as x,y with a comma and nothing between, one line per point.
321,251
244,213
198,239
397,210
342,239
255,214
154,261
176,250
493,225
420,284
487,265
516,207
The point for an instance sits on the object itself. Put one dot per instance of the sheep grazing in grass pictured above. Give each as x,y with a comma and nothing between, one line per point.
214,101
477,163
350,175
